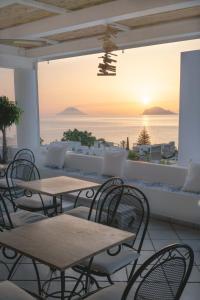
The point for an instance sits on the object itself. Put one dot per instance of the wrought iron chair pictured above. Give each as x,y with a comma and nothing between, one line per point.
21,154
25,153
10,220
95,197
22,169
124,207
163,276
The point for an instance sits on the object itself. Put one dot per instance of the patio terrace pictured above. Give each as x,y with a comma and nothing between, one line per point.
32,31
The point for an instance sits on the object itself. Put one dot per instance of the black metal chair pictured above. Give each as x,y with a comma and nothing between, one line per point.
25,153
95,197
124,207
22,169
10,220
162,277
20,154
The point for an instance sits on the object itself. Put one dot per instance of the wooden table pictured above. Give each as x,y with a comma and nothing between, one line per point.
63,241
56,186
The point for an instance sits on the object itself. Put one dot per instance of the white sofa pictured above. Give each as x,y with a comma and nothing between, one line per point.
160,183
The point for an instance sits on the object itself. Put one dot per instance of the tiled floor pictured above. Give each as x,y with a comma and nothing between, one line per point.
159,235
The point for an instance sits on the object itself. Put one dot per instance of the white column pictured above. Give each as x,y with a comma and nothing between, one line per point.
26,96
189,122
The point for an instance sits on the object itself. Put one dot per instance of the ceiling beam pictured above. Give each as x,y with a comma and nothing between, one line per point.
4,3
43,6
155,34
14,57
97,15
120,26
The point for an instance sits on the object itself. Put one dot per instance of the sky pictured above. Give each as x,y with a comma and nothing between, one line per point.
146,77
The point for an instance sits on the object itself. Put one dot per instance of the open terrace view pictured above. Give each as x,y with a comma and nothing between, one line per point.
99,149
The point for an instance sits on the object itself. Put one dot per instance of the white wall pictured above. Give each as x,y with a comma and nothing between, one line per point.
189,119
26,95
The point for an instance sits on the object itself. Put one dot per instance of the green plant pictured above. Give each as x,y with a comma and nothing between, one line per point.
132,155
144,138
86,138
9,114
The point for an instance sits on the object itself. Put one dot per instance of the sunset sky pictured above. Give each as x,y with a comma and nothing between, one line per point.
147,76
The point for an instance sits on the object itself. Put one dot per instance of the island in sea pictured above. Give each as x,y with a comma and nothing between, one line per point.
72,111
156,110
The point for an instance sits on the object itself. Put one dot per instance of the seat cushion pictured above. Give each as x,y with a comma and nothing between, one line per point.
35,202
107,264
113,292
22,217
80,212
10,291
3,183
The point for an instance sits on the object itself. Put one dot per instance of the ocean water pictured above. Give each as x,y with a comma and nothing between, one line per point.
162,129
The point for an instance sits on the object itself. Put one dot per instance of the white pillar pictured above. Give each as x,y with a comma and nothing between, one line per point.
189,116
26,96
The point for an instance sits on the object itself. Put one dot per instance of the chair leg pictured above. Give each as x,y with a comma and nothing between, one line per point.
132,270
109,279
14,267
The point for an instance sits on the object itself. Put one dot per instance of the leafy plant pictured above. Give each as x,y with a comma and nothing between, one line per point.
132,155
9,114
86,138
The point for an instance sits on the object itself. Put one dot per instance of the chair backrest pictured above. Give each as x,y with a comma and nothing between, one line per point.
5,218
133,215
162,276
101,194
25,154
20,169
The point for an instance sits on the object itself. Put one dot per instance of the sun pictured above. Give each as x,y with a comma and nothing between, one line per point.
145,99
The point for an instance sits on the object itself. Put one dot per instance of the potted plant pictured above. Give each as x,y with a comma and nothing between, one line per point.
9,114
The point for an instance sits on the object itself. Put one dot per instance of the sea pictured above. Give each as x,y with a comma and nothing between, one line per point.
161,128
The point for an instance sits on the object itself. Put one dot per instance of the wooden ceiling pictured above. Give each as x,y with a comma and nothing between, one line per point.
74,4
17,13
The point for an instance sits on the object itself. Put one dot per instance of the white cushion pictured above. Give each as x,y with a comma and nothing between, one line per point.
192,181
35,201
109,264
113,164
23,217
55,156
10,291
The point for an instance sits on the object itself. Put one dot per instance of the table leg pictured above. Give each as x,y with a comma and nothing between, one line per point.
55,204
62,276
61,204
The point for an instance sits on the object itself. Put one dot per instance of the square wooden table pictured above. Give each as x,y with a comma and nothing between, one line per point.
63,241
56,186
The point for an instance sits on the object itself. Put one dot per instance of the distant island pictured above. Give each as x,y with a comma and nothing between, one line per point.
157,111
72,111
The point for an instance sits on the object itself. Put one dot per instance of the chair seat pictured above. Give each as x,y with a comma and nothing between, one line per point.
3,183
22,217
10,291
34,202
113,292
80,212
108,264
